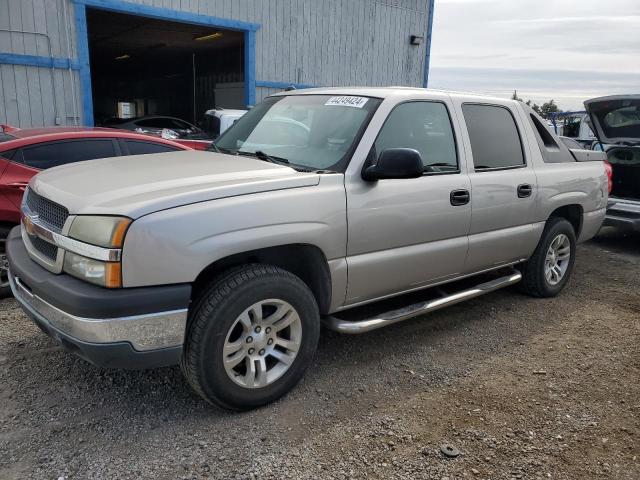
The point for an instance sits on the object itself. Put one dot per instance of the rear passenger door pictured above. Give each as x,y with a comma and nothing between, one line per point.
503,187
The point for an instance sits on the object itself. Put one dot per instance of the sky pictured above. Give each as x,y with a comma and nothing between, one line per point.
568,50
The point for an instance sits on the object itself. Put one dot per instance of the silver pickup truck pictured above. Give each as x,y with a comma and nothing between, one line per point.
317,206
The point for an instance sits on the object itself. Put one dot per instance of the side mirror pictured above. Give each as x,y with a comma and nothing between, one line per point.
395,163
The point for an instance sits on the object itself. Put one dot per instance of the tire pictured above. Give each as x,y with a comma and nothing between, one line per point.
5,289
218,324
535,271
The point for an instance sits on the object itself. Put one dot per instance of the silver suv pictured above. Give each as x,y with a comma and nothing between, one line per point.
315,203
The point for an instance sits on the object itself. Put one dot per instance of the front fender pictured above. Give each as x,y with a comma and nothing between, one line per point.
175,245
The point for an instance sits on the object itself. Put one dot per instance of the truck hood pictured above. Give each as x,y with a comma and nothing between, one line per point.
137,185
615,119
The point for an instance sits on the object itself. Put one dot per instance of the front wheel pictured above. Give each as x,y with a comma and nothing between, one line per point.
548,270
251,336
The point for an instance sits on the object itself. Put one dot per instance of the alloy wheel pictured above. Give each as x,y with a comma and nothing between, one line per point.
262,343
557,259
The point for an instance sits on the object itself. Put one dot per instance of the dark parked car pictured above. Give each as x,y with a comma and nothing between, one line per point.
173,128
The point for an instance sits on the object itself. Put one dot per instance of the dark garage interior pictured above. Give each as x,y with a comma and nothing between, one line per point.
144,66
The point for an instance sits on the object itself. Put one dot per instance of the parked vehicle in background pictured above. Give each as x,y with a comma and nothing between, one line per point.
194,144
25,152
616,120
226,262
218,120
574,125
173,128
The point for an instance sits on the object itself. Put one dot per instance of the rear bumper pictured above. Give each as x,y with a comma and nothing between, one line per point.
123,328
624,215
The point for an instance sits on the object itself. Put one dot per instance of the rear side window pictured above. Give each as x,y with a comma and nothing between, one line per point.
52,154
495,141
140,148
552,151
425,127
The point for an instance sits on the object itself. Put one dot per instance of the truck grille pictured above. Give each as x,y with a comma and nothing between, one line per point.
49,213
46,249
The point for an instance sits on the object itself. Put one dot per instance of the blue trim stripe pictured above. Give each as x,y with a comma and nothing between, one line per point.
38,61
82,40
168,14
427,59
269,84
250,67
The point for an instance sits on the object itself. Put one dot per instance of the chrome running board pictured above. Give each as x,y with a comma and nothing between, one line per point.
405,313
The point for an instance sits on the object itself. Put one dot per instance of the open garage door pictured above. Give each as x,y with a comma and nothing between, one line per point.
145,66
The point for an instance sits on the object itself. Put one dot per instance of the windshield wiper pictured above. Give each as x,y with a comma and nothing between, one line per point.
260,155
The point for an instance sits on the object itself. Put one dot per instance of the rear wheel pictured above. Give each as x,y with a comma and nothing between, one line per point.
5,289
251,336
548,270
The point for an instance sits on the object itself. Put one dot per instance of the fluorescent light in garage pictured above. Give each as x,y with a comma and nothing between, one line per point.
212,36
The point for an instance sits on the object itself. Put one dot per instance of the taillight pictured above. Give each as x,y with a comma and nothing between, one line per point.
609,169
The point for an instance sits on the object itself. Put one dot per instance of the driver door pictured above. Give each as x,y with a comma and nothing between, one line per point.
404,234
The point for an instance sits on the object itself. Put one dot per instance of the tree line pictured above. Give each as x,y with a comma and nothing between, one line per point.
544,111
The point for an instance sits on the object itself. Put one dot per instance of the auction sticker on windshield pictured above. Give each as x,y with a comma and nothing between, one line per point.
347,101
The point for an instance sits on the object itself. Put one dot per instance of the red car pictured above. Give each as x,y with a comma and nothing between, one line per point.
24,152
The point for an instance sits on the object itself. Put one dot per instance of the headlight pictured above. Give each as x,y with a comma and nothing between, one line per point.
105,274
104,232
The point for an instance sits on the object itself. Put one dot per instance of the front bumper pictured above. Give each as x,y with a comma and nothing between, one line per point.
623,214
120,328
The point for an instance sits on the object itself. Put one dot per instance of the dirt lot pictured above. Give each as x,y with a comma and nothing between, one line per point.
523,388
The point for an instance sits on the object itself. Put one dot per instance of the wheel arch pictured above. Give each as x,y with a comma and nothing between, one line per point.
306,261
573,213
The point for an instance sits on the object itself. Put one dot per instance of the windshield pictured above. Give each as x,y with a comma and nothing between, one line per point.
311,131
618,120
623,117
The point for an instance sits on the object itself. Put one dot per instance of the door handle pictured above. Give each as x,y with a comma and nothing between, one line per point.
524,190
459,197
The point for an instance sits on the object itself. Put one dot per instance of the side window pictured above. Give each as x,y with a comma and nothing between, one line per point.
8,154
140,148
552,150
52,154
495,141
425,127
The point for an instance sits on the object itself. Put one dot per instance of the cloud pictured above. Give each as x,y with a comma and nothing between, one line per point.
563,49
590,19
568,87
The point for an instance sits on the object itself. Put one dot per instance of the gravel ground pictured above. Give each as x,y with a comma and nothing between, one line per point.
522,388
